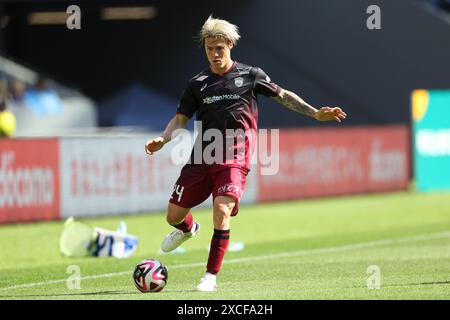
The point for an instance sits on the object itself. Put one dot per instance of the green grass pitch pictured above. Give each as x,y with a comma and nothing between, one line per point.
307,249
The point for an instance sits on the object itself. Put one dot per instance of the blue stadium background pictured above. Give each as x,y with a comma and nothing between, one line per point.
136,70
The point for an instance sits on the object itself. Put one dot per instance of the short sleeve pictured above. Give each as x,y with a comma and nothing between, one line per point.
188,104
264,85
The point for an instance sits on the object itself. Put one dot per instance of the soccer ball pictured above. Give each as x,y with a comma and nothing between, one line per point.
150,275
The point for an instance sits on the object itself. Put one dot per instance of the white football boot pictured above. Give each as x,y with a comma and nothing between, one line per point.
174,239
207,283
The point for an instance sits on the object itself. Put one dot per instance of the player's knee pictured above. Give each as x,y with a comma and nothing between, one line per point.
224,205
222,212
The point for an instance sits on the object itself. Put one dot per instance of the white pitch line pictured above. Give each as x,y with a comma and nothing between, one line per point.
263,257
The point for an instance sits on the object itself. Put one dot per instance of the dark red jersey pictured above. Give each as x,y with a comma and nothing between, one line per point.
227,102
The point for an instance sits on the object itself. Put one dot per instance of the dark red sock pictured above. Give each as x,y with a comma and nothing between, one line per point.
187,224
219,245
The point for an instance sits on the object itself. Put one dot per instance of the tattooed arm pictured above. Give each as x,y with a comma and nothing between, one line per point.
292,101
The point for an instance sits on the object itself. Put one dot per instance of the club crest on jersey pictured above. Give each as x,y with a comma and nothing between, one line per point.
239,82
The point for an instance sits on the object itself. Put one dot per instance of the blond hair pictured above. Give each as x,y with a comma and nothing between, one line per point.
218,28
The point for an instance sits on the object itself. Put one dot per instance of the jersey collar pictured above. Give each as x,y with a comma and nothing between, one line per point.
221,75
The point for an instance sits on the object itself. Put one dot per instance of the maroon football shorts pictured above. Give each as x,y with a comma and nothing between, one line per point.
198,181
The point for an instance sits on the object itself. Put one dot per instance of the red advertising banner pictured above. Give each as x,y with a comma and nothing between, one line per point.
29,180
321,162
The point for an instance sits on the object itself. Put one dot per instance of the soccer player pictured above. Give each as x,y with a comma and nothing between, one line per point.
224,96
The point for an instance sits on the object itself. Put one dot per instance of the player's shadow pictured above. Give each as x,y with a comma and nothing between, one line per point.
178,291
99,293
422,283
415,284
71,294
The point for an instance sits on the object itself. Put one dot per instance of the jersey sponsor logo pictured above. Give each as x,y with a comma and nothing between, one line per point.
203,87
239,82
209,100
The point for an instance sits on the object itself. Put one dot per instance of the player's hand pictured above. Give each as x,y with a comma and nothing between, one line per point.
327,114
154,145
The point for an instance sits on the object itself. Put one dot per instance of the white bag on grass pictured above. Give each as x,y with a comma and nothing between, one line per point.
78,240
